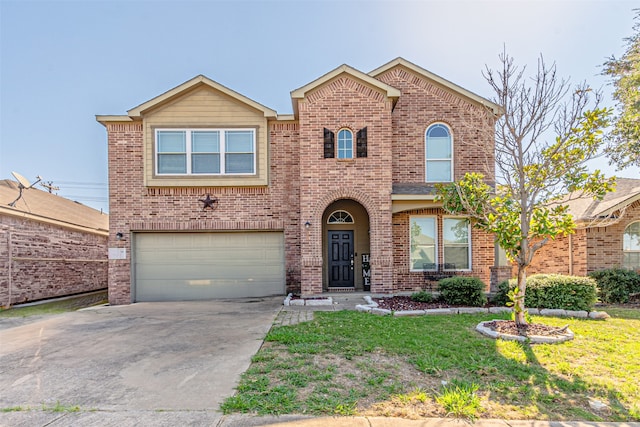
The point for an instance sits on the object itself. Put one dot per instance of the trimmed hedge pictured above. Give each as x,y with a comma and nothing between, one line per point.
616,284
467,291
554,291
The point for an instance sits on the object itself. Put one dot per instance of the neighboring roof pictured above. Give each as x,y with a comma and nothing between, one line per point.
42,206
171,94
446,84
585,208
300,93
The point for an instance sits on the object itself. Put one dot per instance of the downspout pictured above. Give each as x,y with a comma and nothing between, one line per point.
570,254
10,256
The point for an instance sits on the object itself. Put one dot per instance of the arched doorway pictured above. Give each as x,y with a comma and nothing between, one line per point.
346,247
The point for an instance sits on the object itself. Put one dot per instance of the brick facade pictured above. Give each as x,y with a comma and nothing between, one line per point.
303,184
589,249
39,260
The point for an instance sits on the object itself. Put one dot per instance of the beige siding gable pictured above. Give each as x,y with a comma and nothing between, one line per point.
205,107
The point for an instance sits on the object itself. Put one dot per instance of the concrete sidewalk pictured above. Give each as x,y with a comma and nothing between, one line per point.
214,419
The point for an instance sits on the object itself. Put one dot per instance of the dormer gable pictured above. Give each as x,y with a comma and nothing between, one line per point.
303,92
190,85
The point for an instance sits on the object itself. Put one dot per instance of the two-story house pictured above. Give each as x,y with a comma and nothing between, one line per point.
213,195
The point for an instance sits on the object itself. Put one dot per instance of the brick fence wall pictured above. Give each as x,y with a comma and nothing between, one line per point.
40,260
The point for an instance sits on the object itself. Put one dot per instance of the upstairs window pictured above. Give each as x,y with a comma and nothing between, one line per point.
439,154
345,144
205,152
631,246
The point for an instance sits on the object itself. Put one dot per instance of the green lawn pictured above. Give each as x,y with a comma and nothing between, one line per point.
56,307
356,363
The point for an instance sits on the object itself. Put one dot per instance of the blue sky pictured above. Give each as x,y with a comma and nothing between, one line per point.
63,62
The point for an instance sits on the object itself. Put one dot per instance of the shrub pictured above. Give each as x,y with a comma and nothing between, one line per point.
615,284
554,291
500,297
422,296
462,291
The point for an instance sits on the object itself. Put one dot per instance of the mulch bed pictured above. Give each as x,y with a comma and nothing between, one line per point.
405,303
509,327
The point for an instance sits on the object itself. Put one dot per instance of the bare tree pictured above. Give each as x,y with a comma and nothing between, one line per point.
547,133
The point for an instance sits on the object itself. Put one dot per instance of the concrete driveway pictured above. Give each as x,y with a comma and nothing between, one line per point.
179,356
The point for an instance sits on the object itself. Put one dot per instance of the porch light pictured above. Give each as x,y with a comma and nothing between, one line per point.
307,225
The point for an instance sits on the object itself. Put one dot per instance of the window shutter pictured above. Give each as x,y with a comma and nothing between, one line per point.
329,144
361,143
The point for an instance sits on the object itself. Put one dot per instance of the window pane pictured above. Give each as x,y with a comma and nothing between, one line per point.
345,144
345,153
205,163
438,131
438,171
631,239
423,243
456,258
205,142
438,148
172,163
631,260
239,163
455,230
172,142
239,141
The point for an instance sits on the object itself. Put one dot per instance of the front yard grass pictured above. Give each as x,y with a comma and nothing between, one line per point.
57,306
349,363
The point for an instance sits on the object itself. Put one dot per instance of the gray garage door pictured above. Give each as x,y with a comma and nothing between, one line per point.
193,266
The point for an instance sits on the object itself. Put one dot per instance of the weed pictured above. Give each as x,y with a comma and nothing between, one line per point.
461,400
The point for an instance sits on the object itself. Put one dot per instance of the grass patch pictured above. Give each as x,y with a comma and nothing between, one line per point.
55,307
347,363
460,400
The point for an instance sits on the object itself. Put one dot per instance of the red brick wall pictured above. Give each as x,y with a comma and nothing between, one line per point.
135,207
604,248
422,104
346,103
588,250
482,253
40,260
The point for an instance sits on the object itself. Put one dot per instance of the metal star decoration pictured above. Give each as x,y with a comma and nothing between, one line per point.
208,202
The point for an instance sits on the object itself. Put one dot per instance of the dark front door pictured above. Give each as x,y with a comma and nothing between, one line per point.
340,259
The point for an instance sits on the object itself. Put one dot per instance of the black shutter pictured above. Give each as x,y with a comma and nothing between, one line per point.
361,143
329,144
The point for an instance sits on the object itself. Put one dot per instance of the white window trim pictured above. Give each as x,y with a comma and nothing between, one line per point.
447,159
338,144
436,240
188,151
628,251
470,252
338,222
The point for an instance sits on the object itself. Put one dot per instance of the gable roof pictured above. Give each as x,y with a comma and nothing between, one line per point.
42,206
439,81
585,208
301,92
179,90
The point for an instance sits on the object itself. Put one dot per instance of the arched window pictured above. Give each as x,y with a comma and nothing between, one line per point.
631,246
439,154
340,217
345,144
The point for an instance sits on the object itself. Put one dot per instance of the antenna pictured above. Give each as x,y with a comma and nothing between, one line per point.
23,184
49,186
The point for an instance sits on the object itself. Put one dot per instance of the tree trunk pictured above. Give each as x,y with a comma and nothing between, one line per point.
519,308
